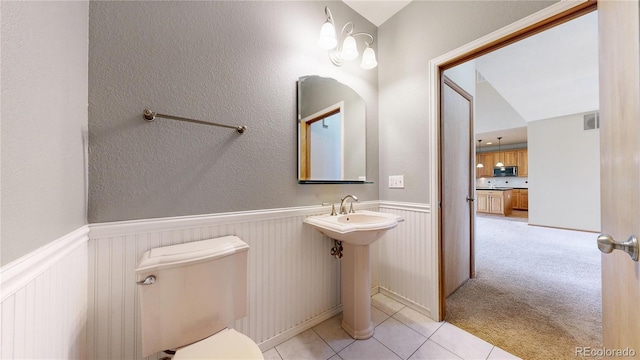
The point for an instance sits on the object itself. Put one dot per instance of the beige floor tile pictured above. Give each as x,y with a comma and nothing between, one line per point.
398,337
377,316
499,354
307,345
386,304
461,342
369,349
332,333
271,354
417,321
431,350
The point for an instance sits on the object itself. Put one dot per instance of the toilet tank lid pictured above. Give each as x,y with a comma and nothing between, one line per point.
191,253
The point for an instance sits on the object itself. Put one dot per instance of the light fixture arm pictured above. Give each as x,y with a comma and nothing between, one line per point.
327,12
336,55
365,34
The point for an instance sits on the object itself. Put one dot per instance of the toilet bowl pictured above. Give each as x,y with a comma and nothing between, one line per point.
190,296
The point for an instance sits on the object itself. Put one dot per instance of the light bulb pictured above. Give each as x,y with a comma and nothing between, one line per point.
480,165
349,48
327,39
368,59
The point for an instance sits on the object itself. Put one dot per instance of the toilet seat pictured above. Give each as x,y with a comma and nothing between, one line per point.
225,344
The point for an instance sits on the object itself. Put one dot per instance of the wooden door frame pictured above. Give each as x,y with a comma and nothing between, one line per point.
547,18
304,146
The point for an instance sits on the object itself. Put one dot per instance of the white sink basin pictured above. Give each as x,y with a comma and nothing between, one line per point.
361,228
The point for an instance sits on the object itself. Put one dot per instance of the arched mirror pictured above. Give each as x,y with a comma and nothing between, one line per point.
331,132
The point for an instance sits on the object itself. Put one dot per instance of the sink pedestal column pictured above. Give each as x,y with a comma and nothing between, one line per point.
356,291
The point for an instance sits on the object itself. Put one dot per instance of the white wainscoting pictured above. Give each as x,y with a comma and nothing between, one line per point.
294,282
406,270
44,301
53,306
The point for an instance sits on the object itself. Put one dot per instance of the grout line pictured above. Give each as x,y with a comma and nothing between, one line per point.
324,341
278,352
421,345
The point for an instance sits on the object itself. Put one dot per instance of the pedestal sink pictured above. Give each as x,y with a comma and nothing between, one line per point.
357,231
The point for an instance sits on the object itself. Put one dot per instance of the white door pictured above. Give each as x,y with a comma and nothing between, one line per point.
619,32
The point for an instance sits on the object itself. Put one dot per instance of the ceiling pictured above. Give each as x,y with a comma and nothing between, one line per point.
545,76
377,11
551,74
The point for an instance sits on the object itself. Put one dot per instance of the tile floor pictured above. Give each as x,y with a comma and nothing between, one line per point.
400,333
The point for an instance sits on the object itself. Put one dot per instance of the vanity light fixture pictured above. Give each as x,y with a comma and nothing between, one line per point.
499,164
480,148
348,50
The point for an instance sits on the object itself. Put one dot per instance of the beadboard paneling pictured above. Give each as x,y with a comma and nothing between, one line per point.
44,301
293,281
406,258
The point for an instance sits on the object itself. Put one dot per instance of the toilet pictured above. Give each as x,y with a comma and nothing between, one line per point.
190,296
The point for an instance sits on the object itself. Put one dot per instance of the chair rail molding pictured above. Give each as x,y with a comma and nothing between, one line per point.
18,273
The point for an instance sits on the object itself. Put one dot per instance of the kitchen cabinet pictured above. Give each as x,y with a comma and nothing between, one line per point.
509,158
489,159
515,198
494,201
524,199
485,159
523,162
520,199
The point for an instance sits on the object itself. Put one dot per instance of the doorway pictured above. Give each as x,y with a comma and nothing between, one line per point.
569,15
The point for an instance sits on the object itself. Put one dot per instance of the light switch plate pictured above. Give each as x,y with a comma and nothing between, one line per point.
396,182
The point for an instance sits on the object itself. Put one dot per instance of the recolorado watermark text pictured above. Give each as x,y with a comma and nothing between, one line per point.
586,351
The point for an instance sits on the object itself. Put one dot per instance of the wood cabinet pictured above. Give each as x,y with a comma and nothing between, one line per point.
515,198
494,201
523,162
509,158
489,159
521,199
524,199
486,159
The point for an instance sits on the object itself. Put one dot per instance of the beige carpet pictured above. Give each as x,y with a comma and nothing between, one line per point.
537,290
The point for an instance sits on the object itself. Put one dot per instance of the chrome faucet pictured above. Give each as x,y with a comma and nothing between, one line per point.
343,210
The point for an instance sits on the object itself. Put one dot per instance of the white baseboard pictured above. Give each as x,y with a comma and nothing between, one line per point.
411,304
296,330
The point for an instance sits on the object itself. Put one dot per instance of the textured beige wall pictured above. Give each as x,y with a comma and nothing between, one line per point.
44,122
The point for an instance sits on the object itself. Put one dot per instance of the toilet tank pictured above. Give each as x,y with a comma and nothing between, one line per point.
200,288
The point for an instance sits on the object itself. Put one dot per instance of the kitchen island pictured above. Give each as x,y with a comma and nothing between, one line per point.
494,200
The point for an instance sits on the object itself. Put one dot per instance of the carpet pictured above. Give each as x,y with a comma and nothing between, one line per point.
537,291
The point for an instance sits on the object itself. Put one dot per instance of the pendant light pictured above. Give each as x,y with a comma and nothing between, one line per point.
480,148
499,164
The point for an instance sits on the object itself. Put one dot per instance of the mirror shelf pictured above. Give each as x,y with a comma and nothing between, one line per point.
334,182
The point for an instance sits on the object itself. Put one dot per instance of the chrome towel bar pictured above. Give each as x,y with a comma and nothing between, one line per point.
150,116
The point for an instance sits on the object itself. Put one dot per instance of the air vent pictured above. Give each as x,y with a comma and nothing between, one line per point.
479,77
592,121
